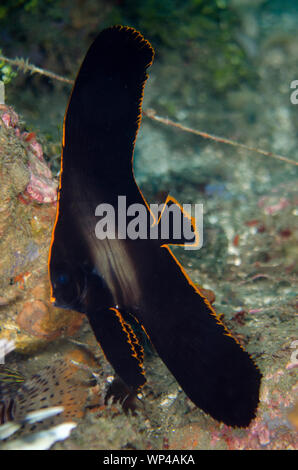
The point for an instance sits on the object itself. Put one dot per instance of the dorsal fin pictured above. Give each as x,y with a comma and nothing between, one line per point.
104,111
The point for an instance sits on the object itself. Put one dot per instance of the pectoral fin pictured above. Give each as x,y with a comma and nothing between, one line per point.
120,346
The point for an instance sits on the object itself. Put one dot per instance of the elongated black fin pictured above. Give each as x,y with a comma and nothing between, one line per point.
120,346
207,361
104,111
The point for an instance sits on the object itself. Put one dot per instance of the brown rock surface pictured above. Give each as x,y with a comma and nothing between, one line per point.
26,314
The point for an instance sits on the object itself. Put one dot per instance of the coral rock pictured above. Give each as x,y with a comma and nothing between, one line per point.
27,316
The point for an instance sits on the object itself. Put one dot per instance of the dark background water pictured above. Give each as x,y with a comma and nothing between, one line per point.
205,51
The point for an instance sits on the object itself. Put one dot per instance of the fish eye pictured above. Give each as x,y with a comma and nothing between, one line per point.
63,279
68,285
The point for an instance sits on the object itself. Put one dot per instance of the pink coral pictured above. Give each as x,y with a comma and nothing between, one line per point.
273,205
41,187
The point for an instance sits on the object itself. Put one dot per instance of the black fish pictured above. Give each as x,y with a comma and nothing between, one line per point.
106,279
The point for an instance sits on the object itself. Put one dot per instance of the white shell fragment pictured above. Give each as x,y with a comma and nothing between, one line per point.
8,429
40,415
42,440
6,347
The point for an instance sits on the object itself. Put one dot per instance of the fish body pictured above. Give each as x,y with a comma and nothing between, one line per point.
8,375
56,385
7,409
107,278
